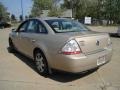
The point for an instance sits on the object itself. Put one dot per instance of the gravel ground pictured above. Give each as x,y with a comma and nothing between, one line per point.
18,72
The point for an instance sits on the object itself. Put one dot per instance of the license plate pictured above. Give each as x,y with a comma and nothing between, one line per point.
101,60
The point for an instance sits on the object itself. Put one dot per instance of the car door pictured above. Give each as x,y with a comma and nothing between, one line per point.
25,42
17,36
33,32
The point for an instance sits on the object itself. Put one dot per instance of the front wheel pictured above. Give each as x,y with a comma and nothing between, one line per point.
118,34
41,63
11,46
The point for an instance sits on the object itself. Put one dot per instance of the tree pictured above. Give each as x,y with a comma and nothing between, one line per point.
30,16
21,18
26,17
98,9
39,5
4,15
112,8
55,12
81,8
13,18
118,11
67,4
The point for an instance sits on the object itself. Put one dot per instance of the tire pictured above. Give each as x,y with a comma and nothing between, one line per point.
11,46
2,27
118,34
41,63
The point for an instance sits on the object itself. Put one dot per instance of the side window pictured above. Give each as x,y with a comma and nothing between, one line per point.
32,27
67,25
55,25
41,28
23,27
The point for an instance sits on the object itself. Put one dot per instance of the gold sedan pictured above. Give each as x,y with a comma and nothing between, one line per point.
62,44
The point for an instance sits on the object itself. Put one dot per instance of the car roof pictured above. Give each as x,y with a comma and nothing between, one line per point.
48,18
51,18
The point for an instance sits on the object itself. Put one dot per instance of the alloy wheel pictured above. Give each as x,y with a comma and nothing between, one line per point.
41,63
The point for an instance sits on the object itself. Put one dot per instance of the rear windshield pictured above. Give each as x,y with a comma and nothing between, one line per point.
66,25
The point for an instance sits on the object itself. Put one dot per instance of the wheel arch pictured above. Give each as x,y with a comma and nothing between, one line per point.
42,51
39,49
9,39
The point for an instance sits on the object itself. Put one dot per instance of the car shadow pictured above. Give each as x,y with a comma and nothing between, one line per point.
114,35
58,76
65,77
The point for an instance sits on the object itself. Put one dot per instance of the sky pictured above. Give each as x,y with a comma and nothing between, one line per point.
14,6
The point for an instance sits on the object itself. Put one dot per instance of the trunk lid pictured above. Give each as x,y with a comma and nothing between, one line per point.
92,43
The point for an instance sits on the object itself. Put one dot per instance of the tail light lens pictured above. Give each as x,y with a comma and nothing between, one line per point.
71,48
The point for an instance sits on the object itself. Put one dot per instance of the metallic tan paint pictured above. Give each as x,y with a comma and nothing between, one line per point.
51,44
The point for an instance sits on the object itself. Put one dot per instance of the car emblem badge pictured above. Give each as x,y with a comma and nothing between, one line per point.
97,43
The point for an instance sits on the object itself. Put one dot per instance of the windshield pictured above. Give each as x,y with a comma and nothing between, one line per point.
66,25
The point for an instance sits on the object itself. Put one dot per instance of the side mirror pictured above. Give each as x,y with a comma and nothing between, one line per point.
22,30
13,30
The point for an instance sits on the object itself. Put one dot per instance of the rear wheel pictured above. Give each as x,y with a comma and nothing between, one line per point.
41,62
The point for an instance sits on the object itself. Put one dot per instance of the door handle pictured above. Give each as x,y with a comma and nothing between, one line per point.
33,40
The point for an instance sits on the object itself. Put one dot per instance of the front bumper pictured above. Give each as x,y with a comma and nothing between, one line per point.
79,63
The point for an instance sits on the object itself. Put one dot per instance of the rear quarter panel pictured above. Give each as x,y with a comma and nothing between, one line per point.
51,45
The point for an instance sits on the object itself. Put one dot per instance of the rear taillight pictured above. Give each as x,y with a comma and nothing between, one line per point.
71,48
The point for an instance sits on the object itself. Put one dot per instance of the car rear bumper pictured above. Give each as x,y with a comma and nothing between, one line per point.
79,63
